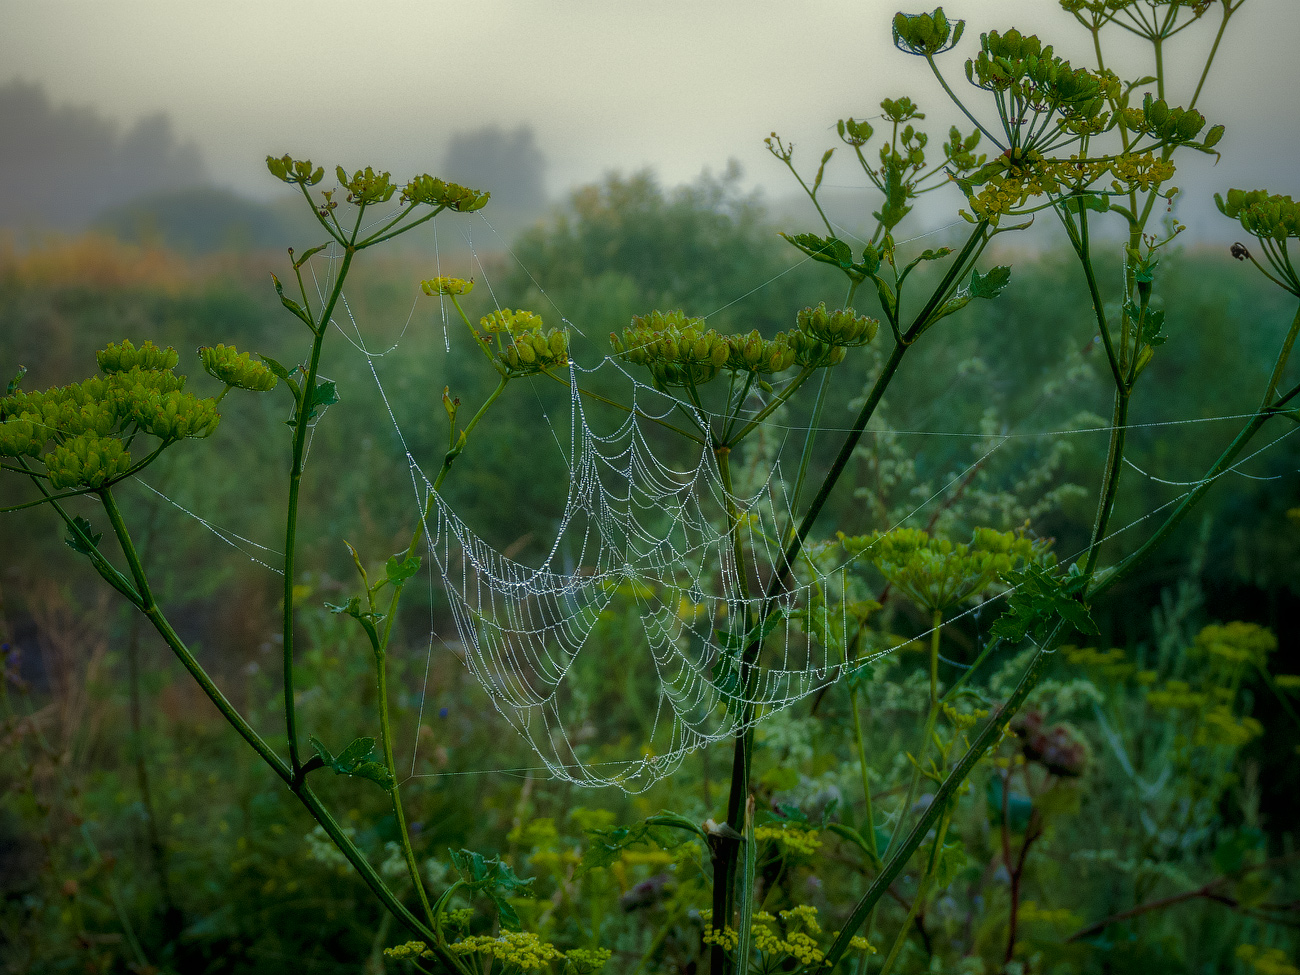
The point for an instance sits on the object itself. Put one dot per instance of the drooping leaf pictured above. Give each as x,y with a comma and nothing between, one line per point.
828,250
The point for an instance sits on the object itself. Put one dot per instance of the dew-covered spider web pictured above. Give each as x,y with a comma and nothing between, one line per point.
641,552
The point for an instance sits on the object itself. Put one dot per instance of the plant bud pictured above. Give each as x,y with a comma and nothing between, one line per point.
125,357
20,438
236,369
447,286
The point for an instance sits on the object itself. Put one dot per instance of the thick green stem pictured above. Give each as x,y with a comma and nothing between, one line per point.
151,609
1110,478
306,405
724,849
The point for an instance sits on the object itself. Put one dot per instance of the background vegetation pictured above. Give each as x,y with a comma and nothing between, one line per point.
138,834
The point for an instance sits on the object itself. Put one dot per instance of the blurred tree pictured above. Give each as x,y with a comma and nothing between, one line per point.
510,164
71,162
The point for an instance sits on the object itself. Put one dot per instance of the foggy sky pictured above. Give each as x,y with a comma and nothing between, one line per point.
677,85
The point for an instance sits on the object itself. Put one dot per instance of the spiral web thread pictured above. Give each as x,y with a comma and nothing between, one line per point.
636,527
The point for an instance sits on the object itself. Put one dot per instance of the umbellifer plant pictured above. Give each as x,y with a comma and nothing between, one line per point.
1077,145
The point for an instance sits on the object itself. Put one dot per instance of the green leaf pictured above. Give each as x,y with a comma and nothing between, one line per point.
828,250
16,381
308,255
356,760
1086,201
949,863
77,539
859,675
1037,599
399,571
282,371
351,608
607,845
492,878
325,394
989,285
292,305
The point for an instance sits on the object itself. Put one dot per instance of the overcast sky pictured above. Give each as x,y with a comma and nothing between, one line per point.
678,85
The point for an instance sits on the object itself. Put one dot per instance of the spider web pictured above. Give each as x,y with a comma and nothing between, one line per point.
643,536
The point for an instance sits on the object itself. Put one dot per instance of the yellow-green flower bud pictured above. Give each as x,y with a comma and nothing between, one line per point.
234,368
926,34
292,170
176,415
365,186
436,192
21,438
87,461
125,357
447,286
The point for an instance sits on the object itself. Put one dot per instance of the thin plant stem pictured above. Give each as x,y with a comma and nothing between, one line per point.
306,405
900,854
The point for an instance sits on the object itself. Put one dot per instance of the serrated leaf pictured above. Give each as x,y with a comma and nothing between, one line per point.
1037,599
400,570
77,539
351,608
325,394
607,845
989,285
356,760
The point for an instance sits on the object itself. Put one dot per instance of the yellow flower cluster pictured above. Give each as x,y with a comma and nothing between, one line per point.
446,286
1236,643
585,961
523,949
410,950
859,943
798,944
963,721
1111,663
793,839
1266,961
1140,172
726,939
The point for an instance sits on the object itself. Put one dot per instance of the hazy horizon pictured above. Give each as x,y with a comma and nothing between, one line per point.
673,86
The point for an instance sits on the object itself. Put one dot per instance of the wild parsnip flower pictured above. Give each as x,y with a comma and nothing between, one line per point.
523,949
125,357
87,461
236,369
447,286
791,837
